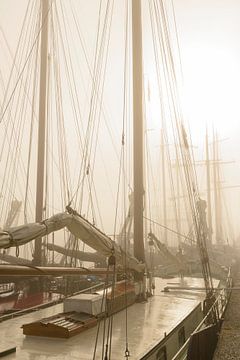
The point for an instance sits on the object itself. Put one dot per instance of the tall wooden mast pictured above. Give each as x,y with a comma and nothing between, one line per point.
41,127
217,198
137,129
209,203
215,188
218,183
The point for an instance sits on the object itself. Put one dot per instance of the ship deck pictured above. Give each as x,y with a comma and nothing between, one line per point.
148,323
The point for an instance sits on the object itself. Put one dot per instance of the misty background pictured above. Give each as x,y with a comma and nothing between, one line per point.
208,36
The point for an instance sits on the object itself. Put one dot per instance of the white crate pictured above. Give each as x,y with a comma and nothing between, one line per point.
87,303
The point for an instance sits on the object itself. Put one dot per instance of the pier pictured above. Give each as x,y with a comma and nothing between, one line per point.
228,346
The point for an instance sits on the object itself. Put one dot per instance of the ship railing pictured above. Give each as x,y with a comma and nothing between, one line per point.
219,305
14,314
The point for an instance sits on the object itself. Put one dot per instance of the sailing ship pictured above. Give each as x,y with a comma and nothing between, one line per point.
136,283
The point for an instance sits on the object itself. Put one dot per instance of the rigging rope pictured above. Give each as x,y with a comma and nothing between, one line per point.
184,148
169,229
25,64
31,132
126,57
12,164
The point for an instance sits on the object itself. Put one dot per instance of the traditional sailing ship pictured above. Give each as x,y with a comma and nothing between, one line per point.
169,319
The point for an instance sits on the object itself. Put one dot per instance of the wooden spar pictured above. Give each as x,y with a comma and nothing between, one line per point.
14,259
41,128
215,188
17,270
209,207
81,255
217,199
218,183
137,129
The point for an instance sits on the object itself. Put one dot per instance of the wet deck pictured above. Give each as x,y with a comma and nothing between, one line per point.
228,347
149,322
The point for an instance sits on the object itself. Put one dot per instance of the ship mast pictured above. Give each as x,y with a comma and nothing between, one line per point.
137,129
217,199
37,257
218,183
209,205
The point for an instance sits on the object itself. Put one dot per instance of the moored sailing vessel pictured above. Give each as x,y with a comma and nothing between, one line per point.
136,273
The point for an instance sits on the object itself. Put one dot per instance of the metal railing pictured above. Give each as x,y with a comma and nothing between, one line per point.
219,305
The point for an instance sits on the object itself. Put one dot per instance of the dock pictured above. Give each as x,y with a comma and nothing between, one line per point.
228,346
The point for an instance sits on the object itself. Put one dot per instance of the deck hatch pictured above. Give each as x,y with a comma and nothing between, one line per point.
62,325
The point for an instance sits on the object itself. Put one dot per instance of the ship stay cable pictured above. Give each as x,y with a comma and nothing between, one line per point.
33,118
108,23
6,124
163,39
105,316
62,153
92,115
156,33
64,171
88,170
162,34
70,74
193,193
16,161
31,133
89,137
166,76
81,40
72,220
148,174
78,130
85,163
71,93
124,158
110,310
121,177
104,301
25,64
15,133
106,348
61,138
63,159
57,90
169,229
72,89
181,136
17,51
30,32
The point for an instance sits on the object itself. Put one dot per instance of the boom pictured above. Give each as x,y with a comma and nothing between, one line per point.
79,227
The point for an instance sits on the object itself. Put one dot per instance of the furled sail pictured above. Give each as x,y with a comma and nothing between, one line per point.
79,227
81,255
14,260
162,248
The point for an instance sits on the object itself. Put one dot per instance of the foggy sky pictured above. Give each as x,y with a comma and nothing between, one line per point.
208,33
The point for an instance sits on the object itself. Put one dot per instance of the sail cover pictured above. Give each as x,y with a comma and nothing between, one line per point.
81,255
79,227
